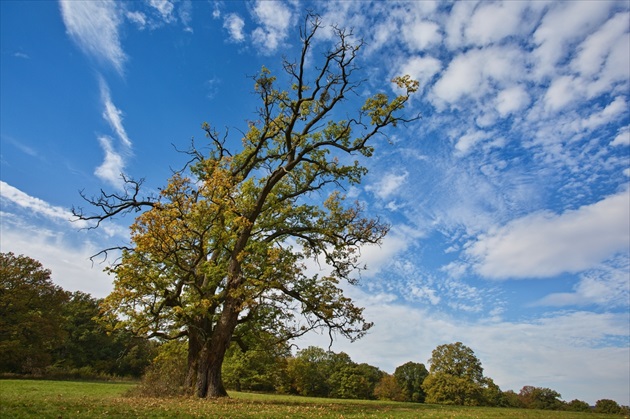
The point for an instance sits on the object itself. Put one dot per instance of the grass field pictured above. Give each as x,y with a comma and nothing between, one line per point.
71,399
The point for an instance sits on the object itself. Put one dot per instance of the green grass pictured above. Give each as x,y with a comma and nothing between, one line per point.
72,399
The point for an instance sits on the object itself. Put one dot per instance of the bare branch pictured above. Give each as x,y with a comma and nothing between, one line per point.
112,204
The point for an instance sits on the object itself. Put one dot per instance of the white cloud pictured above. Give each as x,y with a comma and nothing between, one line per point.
20,54
138,18
608,114
234,25
113,115
34,205
622,138
469,140
556,33
113,165
94,26
492,22
216,10
388,185
478,72
422,69
165,9
512,100
592,53
114,162
456,23
420,34
376,258
425,293
563,91
185,15
275,19
546,244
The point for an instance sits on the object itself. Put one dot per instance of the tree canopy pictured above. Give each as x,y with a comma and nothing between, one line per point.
456,376
225,242
30,314
410,377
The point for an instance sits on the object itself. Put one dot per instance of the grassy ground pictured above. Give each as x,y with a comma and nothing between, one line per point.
68,399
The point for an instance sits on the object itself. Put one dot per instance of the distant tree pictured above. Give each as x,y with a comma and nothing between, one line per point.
540,398
373,376
87,345
492,394
256,363
512,399
319,373
607,406
410,377
354,381
578,406
309,372
456,376
30,315
389,389
226,240
85,342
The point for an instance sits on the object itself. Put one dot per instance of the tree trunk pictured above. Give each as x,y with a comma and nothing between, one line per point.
220,341
194,348
206,352
201,383
214,380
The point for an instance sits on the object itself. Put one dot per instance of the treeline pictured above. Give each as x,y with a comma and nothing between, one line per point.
455,378
46,331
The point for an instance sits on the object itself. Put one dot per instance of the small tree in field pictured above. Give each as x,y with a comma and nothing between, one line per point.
456,376
225,242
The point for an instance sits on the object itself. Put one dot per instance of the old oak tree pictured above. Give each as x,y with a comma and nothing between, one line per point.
221,251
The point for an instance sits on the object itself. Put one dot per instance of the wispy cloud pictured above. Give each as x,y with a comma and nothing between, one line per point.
94,26
20,54
138,18
113,165
34,205
113,115
546,244
606,286
388,185
164,8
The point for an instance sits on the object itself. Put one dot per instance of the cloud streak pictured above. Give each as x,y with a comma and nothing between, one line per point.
113,115
114,163
34,205
94,27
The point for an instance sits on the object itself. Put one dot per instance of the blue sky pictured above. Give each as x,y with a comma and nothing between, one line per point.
509,200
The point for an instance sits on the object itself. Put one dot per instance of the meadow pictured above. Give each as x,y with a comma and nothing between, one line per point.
76,399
